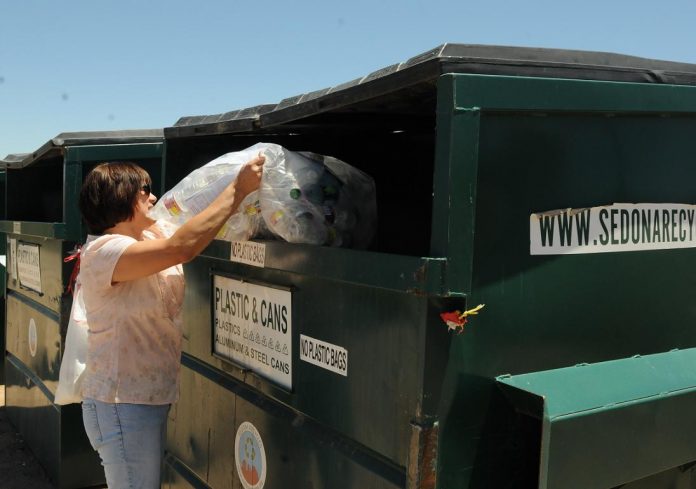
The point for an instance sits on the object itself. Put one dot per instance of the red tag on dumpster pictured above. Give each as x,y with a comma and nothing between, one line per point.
455,320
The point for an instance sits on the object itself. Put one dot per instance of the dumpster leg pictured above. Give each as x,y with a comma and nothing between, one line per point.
422,456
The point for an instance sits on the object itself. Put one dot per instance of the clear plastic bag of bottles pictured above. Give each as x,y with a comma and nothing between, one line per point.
303,198
200,187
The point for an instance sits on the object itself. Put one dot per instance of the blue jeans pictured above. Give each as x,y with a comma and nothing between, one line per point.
130,441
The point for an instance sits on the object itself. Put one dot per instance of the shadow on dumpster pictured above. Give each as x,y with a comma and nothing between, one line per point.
19,469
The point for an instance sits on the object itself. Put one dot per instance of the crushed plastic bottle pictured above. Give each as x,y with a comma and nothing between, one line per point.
193,194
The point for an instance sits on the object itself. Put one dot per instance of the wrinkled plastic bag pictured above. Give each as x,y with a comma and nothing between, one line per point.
74,361
303,198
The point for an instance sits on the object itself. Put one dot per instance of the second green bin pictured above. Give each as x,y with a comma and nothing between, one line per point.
42,226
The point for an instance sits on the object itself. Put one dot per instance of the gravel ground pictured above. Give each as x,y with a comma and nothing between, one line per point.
18,467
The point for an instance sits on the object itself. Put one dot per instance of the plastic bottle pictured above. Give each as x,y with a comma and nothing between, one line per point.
193,194
198,190
296,224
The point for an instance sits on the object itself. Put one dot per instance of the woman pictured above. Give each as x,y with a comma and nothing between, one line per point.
133,288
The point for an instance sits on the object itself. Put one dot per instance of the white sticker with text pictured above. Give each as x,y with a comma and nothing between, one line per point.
249,253
324,355
252,326
612,228
29,266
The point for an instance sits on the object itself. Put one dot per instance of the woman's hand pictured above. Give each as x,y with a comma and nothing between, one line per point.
249,177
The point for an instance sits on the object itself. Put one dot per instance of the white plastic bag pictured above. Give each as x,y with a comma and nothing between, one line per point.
72,366
303,198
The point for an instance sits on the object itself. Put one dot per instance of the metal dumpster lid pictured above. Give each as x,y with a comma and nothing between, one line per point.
418,75
13,159
88,138
636,412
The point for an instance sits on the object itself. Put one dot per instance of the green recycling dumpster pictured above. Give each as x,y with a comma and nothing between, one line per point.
555,188
43,226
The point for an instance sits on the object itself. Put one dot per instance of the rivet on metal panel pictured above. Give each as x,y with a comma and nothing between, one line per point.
422,456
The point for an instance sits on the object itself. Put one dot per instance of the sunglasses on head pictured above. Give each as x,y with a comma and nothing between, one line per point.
146,188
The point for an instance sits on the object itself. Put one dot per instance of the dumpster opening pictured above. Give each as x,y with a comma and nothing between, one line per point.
398,152
35,193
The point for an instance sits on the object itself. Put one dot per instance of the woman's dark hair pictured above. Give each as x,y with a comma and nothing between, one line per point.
109,193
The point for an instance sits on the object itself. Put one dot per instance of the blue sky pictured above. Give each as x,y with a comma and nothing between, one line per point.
83,65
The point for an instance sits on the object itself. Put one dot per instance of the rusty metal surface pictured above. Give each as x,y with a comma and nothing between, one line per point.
422,456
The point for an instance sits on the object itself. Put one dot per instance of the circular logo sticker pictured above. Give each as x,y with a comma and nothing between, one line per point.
251,457
32,337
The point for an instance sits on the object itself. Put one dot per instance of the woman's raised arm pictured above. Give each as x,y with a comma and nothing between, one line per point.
151,256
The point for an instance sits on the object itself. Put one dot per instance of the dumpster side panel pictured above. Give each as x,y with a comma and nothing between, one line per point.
81,465
171,479
381,330
221,428
296,460
594,306
291,457
49,270
195,435
33,415
54,433
678,477
361,424
545,312
33,336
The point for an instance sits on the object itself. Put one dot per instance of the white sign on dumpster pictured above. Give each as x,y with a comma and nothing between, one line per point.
13,258
612,228
252,326
324,355
248,252
29,266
